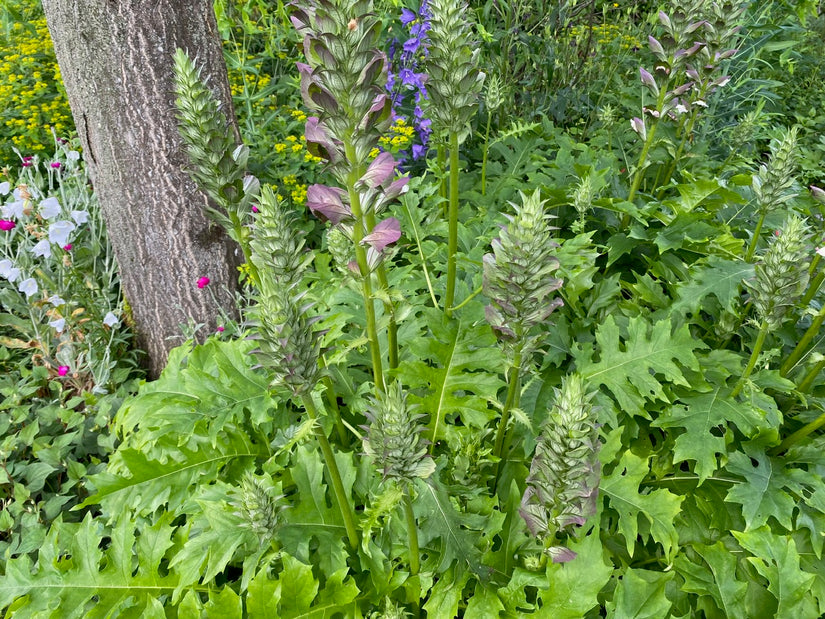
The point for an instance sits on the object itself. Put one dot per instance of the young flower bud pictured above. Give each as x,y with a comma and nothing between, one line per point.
258,506
563,483
217,162
782,275
775,178
393,439
518,276
455,80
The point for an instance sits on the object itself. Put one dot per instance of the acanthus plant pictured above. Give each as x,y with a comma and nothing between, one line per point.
690,54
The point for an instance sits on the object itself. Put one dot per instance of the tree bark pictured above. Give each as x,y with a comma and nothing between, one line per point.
115,58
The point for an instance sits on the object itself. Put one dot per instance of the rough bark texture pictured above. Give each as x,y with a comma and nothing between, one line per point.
116,60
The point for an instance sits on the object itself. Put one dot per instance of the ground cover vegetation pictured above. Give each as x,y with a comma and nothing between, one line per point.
531,327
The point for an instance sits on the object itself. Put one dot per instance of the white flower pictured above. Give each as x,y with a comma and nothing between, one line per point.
15,209
28,287
50,208
42,248
73,155
80,217
821,251
110,320
58,325
4,188
59,232
8,270
56,300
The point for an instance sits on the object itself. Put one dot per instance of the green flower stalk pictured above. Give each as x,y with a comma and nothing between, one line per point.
582,202
563,483
493,99
454,86
217,160
773,181
781,279
518,280
394,442
288,345
344,83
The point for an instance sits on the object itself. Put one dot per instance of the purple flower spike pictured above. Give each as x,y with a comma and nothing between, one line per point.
385,233
380,171
327,203
396,188
656,47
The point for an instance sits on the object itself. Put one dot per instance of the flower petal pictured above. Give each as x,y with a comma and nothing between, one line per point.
327,203
386,232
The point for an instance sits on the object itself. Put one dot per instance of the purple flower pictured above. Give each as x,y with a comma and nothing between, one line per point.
379,171
55,165
412,45
203,282
327,203
63,370
418,151
385,233
6,225
407,16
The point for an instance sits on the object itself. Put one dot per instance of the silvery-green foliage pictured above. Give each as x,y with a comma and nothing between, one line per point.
782,274
518,276
771,184
563,483
455,80
217,161
340,248
393,439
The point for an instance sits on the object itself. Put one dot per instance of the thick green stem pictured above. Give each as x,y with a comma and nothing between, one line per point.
512,401
332,468
797,436
364,270
756,233
800,348
757,348
810,377
484,156
452,241
412,534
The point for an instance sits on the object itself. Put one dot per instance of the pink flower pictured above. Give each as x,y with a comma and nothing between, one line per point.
56,165
254,209
220,329
63,370
6,224
203,282
26,163
67,247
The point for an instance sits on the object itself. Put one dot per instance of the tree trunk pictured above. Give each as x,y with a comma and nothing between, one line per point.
115,57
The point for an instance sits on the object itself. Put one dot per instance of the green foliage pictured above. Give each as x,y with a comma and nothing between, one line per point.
303,488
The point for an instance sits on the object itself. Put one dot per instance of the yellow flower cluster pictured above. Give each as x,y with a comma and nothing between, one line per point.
295,144
297,191
31,91
401,136
604,34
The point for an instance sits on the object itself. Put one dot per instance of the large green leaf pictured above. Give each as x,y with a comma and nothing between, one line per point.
776,559
85,580
198,393
716,276
659,507
640,594
136,483
315,519
702,415
439,520
574,586
630,367
714,575
768,488
459,366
